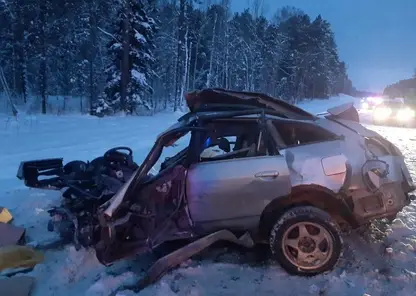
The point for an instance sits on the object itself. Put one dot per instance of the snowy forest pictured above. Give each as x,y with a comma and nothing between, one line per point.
404,88
136,56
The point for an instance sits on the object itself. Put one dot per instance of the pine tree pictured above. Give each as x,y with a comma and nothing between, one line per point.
294,64
131,49
78,49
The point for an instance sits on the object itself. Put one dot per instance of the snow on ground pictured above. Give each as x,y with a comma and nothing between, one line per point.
364,268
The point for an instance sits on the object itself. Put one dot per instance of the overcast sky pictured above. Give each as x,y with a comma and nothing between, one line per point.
376,38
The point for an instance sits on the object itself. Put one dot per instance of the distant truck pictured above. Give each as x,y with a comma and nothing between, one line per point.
393,112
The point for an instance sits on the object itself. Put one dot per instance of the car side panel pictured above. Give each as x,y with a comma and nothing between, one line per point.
232,193
325,164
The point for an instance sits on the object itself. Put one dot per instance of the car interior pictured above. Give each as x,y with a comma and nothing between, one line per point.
233,139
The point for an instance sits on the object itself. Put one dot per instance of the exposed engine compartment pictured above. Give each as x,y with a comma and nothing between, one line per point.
86,186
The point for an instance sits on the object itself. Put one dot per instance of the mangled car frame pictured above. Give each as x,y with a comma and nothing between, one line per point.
251,169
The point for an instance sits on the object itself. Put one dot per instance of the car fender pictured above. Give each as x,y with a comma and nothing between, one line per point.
338,205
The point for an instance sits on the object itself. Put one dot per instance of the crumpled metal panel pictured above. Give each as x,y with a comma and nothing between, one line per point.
386,196
309,165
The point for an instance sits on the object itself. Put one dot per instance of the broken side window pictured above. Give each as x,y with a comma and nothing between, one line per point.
174,150
232,139
300,133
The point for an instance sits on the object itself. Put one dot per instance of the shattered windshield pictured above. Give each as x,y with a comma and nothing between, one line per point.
172,148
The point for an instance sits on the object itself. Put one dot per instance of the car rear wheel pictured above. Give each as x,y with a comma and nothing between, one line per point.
306,241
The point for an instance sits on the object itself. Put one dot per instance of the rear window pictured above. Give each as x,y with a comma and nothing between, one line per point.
302,133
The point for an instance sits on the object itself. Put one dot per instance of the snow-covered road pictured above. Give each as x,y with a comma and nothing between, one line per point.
365,267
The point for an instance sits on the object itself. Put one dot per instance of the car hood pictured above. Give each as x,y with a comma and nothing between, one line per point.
216,96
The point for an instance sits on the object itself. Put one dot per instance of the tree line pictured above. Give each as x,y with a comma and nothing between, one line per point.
405,88
142,55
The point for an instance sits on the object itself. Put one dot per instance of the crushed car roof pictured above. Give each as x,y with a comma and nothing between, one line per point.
202,100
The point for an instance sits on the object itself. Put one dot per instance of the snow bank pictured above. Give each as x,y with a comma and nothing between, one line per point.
387,266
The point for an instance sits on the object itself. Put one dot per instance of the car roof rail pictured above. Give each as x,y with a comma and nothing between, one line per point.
225,107
221,112
220,108
235,113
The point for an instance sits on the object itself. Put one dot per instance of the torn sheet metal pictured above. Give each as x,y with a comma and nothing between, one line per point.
383,170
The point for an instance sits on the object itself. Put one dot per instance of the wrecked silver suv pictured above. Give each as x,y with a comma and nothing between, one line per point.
251,169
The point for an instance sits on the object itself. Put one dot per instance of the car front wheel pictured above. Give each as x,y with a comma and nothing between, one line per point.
306,241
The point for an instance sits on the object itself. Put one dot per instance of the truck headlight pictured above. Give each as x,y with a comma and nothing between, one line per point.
382,113
405,114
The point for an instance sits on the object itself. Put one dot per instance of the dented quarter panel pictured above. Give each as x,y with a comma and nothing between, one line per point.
353,147
390,197
306,165
353,140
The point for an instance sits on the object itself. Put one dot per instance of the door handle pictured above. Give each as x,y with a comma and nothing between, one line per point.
268,174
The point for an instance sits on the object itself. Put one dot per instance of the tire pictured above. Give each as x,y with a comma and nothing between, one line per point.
309,219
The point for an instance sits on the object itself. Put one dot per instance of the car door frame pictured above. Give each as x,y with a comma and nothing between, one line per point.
235,223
